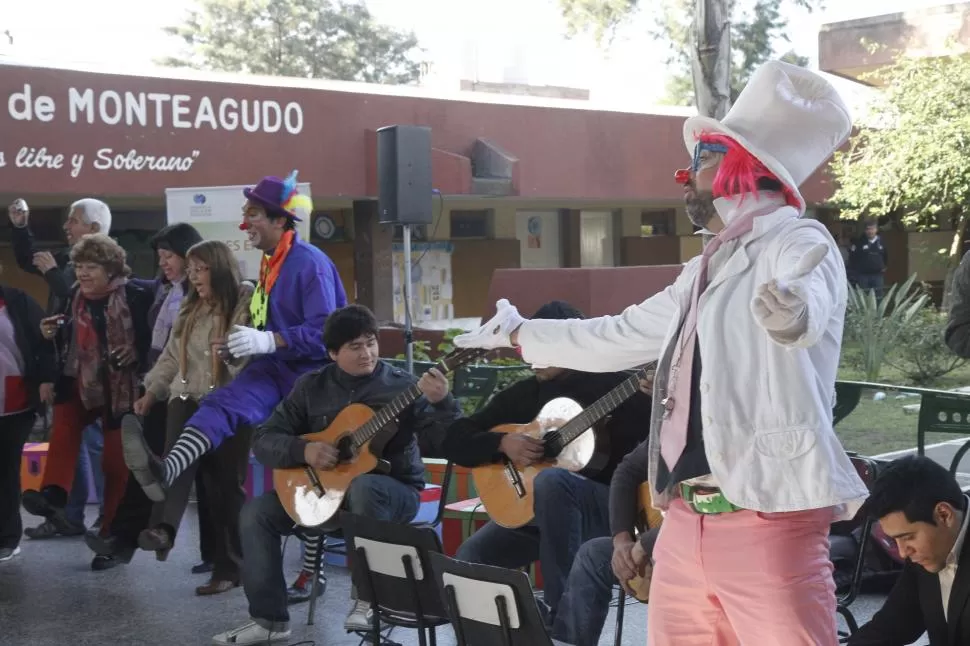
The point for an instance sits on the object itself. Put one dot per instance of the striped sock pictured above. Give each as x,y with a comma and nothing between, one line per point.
190,446
311,546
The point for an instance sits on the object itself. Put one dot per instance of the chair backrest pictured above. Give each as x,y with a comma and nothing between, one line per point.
390,565
867,469
489,606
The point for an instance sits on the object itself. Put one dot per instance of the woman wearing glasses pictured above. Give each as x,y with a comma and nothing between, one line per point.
102,344
190,366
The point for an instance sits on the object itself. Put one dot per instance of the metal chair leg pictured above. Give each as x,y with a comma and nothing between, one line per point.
315,585
620,608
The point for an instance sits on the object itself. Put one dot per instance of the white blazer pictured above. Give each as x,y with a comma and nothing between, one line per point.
766,399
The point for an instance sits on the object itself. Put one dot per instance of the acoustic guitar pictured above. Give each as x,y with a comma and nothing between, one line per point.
649,518
571,443
312,497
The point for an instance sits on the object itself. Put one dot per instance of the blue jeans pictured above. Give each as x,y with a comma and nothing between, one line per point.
586,602
569,510
88,459
263,521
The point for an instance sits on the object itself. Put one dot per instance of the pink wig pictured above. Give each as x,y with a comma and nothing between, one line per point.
740,171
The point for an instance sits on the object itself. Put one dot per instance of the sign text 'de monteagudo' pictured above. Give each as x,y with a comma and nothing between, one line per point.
155,110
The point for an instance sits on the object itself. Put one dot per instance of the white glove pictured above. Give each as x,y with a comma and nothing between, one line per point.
245,341
495,333
779,305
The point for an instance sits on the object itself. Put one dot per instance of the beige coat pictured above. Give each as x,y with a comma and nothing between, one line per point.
202,373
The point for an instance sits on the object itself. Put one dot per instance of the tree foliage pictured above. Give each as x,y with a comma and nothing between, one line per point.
757,30
300,38
909,155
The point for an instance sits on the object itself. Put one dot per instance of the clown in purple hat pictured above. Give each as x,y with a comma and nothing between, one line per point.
297,290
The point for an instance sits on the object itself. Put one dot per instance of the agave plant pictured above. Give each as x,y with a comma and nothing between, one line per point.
876,324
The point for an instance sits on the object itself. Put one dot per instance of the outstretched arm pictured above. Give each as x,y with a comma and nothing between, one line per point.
606,343
603,344
796,306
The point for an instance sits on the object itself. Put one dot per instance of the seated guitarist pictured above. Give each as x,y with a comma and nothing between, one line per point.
356,375
606,560
569,509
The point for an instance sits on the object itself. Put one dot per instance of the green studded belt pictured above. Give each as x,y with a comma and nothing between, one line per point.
704,500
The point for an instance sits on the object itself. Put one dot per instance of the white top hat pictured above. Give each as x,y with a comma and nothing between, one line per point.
788,117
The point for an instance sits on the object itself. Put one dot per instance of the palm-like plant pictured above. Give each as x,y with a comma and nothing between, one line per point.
876,324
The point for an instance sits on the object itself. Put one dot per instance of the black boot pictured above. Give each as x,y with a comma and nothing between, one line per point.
148,468
50,503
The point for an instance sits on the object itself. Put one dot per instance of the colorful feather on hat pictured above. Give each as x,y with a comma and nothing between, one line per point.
291,200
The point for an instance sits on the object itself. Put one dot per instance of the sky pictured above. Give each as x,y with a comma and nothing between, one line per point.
492,40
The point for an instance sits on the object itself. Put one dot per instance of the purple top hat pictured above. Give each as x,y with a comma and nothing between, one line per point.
278,196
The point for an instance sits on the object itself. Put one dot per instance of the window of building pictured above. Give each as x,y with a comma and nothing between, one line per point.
657,222
471,224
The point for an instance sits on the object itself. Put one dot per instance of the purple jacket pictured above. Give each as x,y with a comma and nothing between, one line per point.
307,291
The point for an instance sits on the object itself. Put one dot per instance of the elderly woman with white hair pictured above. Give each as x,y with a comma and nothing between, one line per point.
102,340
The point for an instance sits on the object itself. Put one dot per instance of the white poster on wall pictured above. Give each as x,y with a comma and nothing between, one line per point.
538,234
216,212
431,282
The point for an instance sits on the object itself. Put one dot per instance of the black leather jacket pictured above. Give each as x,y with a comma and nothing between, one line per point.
59,279
139,301
319,396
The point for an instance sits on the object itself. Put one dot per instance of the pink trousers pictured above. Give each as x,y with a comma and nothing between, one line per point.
746,578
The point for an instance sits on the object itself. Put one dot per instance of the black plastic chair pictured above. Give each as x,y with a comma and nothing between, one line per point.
868,469
489,606
339,548
390,566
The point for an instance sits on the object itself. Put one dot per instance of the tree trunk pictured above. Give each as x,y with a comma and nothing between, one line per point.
953,258
711,60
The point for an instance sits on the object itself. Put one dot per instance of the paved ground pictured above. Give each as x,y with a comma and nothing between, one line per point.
49,597
943,453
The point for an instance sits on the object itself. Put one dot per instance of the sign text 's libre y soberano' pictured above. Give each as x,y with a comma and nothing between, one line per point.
154,110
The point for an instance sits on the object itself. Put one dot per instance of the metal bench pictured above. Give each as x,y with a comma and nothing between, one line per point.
941,411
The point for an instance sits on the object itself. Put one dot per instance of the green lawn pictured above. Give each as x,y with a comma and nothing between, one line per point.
876,427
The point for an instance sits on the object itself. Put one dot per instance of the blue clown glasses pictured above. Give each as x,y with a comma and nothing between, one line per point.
701,147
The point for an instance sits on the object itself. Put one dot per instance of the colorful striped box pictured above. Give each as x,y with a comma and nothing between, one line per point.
464,518
33,460
32,463
461,488
259,480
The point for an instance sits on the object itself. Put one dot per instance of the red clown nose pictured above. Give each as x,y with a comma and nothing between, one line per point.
244,226
682,176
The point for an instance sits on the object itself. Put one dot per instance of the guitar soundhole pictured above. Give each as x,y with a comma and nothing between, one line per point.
345,449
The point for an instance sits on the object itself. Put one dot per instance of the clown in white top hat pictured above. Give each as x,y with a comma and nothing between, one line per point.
744,460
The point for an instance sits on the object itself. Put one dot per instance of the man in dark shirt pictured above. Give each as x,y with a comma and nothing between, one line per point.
920,505
606,560
868,259
358,376
957,333
570,509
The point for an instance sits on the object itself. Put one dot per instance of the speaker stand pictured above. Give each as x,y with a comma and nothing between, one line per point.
408,332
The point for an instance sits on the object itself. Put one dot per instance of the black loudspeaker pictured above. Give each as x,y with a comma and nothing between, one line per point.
404,175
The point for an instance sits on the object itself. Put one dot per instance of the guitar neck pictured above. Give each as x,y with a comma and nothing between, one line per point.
390,412
385,415
600,408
